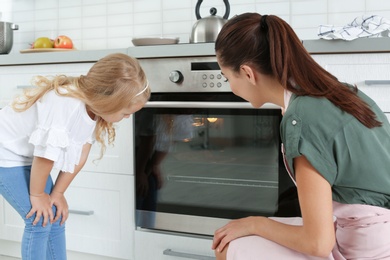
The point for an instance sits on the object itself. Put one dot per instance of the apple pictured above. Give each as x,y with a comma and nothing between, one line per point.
43,42
63,41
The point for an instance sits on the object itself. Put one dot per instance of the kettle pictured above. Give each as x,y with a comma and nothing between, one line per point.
206,29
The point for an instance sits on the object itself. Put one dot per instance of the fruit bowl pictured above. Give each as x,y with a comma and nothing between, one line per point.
45,44
45,50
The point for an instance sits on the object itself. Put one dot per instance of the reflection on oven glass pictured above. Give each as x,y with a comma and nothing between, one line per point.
207,165
224,166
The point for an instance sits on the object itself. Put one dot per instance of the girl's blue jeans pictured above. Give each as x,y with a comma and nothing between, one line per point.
38,243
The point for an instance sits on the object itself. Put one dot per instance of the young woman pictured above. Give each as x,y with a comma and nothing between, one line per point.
336,145
53,126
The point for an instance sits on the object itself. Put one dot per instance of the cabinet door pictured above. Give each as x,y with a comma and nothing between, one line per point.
11,224
101,219
13,79
370,72
356,68
159,246
117,158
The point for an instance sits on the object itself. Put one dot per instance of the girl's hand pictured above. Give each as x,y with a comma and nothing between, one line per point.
234,229
42,206
142,184
58,199
157,173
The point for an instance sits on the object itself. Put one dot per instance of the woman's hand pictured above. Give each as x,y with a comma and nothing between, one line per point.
42,206
62,210
234,229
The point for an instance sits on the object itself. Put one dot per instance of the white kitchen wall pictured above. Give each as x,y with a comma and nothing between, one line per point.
110,24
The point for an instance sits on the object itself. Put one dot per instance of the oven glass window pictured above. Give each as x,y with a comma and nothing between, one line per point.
222,163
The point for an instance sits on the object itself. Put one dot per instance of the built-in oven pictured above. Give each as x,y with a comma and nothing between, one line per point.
204,156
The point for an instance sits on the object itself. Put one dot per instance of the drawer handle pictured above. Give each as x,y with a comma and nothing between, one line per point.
187,255
377,82
24,86
81,212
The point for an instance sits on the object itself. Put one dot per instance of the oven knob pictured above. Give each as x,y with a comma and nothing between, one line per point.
176,76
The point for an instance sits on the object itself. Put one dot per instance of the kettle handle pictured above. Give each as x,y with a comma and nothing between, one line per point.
227,12
225,16
197,7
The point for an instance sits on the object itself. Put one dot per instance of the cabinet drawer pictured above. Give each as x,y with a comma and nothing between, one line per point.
160,246
380,93
356,68
370,72
11,224
117,159
100,222
13,79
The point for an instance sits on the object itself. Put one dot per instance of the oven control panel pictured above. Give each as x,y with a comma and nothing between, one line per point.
185,74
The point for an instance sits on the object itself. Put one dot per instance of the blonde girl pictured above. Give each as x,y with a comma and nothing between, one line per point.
53,126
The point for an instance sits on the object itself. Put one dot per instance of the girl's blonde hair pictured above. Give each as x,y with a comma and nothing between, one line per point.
114,82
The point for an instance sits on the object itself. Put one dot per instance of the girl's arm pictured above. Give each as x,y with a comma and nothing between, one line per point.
62,183
316,237
40,201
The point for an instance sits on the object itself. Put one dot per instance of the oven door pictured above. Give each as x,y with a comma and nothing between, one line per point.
202,161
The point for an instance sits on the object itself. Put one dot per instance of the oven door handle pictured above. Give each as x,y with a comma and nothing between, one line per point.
228,105
187,255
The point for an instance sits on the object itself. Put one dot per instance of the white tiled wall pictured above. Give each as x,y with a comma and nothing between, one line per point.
108,24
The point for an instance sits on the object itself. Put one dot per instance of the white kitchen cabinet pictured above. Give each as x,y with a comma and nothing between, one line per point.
356,68
370,72
11,224
14,78
117,158
100,222
164,246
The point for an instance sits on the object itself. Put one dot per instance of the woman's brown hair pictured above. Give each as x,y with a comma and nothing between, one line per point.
270,45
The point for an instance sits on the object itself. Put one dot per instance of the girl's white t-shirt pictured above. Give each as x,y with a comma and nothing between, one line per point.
55,127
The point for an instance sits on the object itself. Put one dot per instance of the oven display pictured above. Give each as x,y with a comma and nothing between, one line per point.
199,66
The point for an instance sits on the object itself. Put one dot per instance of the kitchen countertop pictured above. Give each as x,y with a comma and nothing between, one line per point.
55,57
361,45
200,49
320,46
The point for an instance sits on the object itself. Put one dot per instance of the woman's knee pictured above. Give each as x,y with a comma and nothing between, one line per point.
222,255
